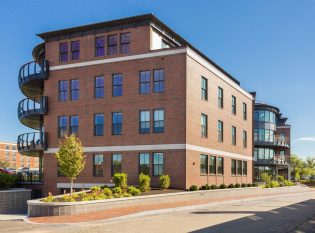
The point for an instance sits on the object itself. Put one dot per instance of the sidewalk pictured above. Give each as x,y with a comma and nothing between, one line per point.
124,211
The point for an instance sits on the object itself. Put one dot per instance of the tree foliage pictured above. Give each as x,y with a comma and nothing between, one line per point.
300,168
4,164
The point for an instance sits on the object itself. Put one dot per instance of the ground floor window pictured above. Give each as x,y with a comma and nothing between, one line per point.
245,168
233,167
144,163
220,165
158,164
98,162
116,163
258,170
239,167
212,165
203,164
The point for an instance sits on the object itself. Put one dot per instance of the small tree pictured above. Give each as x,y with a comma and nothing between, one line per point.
70,158
4,164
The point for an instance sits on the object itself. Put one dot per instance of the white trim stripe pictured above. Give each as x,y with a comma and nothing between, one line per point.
159,147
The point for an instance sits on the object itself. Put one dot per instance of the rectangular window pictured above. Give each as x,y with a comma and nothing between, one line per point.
204,88
220,165
233,135
74,89
158,121
158,80
75,50
233,104
245,168
7,147
117,119
63,90
63,52
204,125
116,164
244,139
74,125
117,85
233,166
112,45
212,165
220,131
158,164
244,111
220,97
144,87
100,46
62,126
144,122
203,164
99,87
98,162
6,155
99,124
125,43
144,163
239,167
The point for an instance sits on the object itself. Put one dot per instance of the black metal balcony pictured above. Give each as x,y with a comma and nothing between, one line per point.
277,141
32,144
32,76
281,160
32,110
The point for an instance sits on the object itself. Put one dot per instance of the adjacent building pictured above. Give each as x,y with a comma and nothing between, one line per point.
272,142
142,100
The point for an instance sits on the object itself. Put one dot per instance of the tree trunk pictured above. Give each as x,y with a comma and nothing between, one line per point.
71,184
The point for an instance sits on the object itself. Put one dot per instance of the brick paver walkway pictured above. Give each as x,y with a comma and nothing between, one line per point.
118,212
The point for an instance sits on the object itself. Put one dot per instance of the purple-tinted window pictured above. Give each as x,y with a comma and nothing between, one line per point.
74,89
63,90
99,46
112,45
125,43
63,51
75,50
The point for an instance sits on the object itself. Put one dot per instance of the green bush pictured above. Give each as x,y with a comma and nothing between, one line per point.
274,184
267,185
231,186
265,177
255,184
133,191
213,186
204,187
120,180
288,183
88,197
237,185
144,182
49,198
95,189
280,179
193,188
128,194
165,181
107,192
244,185
249,185
222,186
7,180
67,198
83,194
117,190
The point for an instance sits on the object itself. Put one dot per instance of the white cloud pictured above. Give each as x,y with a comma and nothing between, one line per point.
305,139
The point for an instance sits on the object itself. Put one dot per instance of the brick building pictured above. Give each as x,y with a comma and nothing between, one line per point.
141,99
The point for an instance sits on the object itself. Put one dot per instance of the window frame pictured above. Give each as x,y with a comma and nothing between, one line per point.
119,155
233,105
204,166
159,164
212,167
239,168
61,53
74,89
98,169
63,93
110,46
146,82
119,91
122,44
97,88
218,165
233,168
244,139
71,126
146,122
75,50
159,83
244,168
145,154
65,127
95,125
204,128
97,47
115,124
220,97
244,111
233,134
204,88
158,121
220,131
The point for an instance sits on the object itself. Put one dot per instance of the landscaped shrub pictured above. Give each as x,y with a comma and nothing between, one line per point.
255,184
120,180
222,186
249,185
133,191
144,182
237,185
127,194
117,190
274,184
267,185
49,198
165,181
280,179
213,186
7,180
231,186
265,177
67,198
95,189
288,183
88,197
103,186
204,187
244,185
107,192
193,188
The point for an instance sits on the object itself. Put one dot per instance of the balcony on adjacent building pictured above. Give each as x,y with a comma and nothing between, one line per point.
276,160
277,141
32,144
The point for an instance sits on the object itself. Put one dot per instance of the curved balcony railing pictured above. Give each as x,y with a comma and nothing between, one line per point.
276,160
32,110
32,76
32,144
277,140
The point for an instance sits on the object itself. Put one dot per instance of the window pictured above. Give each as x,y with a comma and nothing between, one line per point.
220,165
144,87
112,45
233,166
125,43
13,156
158,121
99,87
63,90
144,163
99,124
7,147
13,147
233,104
158,80
62,126
6,155
99,46
74,89
144,122
244,111
117,85
239,167
220,97
75,50
220,131
204,88
63,52
117,123
98,161
233,135
244,139
158,164
204,125
116,164
203,164
212,165
245,168
74,125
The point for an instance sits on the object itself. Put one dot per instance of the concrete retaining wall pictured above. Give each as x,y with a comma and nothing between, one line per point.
14,201
38,208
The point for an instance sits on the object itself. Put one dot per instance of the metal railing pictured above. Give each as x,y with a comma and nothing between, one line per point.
30,106
276,140
29,142
276,160
33,70
29,177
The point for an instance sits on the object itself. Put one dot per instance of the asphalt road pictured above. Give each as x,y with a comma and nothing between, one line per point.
286,213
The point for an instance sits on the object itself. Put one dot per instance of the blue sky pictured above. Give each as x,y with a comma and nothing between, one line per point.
269,46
